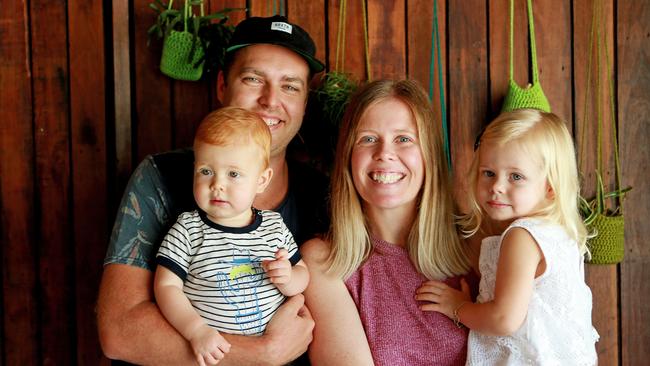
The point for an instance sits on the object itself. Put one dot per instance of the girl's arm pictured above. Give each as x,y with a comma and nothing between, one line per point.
339,338
520,262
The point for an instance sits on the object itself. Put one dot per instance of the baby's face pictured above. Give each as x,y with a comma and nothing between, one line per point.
226,180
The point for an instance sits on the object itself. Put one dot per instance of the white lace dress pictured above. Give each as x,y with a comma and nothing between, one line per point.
557,329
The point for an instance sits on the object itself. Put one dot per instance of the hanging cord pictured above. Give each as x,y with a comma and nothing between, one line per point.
531,30
273,6
600,40
365,39
340,38
435,49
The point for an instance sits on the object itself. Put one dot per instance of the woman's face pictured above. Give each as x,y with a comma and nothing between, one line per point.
386,162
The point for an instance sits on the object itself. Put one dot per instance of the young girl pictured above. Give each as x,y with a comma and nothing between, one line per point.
533,305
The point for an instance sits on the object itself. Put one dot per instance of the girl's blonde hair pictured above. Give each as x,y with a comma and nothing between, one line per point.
235,126
543,135
433,243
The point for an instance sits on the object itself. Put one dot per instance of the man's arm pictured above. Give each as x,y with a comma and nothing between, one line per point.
132,328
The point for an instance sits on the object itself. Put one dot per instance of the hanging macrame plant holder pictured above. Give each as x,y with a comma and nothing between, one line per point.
183,54
608,226
531,96
336,86
436,60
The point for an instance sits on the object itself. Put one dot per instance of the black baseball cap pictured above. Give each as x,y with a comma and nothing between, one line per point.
276,30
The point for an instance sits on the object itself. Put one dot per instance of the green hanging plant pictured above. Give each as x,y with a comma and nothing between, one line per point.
318,135
333,95
591,208
206,38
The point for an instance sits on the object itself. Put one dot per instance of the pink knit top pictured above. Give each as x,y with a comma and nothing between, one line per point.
399,333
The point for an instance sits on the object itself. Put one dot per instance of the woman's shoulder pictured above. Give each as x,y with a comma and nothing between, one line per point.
315,250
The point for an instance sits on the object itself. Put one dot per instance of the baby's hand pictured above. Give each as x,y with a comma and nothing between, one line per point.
278,270
441,297
209,346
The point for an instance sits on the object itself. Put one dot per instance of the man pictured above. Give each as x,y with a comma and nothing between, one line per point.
268,68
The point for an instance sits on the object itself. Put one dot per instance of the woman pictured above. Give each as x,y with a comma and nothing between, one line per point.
392,230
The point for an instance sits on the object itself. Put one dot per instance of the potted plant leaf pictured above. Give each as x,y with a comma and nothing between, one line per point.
190,40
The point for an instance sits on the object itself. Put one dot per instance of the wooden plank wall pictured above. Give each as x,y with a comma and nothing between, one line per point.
82,102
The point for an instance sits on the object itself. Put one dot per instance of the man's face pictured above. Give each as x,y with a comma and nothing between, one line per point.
273,82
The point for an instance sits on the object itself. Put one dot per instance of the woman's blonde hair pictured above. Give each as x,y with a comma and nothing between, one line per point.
235,126
545,136
433,242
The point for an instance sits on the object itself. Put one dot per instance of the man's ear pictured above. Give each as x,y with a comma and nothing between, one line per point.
221,86
264,180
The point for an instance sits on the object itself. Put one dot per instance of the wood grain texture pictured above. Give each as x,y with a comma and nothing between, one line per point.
122,93
153,100
468,84
352,57
88,160
601,278
52,138
59,161
553,35
633,70
387,39
17,192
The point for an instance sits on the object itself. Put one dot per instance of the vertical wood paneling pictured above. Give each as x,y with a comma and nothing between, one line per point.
191,104
419,28
468,83
122,93
310,16
153,103
601,278
633,36
387,39
54,152
88,138
499,63
553,35
20,307
233,18
355,59
50,83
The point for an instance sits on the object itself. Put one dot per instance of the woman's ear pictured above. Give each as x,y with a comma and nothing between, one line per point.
264,180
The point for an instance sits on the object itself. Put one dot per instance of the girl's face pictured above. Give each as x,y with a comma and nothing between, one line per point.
511,182
386,162
226,180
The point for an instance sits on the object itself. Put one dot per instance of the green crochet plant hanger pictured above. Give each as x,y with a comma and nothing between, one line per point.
531,96
607,224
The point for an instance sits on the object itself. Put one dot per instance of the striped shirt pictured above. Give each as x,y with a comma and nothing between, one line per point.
221,268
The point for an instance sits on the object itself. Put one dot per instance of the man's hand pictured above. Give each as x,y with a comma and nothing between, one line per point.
289,332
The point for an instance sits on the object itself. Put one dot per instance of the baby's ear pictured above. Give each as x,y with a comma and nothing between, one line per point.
264,180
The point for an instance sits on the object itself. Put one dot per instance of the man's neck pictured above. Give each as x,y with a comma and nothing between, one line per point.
277,190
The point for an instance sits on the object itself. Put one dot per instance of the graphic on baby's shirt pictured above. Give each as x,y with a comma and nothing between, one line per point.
239,288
